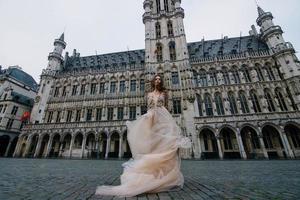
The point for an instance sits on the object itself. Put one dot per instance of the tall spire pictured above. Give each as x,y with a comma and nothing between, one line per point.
260,10
62,37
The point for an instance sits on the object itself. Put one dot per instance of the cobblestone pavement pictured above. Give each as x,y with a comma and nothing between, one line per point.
78,179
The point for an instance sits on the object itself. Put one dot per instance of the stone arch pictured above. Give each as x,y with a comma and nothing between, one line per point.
229,143
32,145
66,142
125,146
102,144
272,141
208,143
114,144
44,144
292,130
250,141
90,146
55,146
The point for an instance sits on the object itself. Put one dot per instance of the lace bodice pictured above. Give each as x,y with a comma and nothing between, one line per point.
155,100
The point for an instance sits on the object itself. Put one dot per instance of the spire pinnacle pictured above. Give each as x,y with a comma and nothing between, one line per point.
62,37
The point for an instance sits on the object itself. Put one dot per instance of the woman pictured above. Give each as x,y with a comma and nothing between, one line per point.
154,140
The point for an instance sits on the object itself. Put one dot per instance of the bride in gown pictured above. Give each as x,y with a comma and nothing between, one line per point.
154,140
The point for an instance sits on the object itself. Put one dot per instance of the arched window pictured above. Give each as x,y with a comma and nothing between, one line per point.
270,73
170,29
199,102
203,78
269,99
213,77
280,99
158,30
232,102
159,54
158,8
244,102
255,101
208,105
260,75
166,5
236,76
195,78
172,50
226,76
219,104
246,74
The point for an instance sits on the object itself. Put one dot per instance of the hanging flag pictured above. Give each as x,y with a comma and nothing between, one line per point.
25,116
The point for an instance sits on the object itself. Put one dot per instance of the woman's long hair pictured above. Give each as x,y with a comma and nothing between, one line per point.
160,87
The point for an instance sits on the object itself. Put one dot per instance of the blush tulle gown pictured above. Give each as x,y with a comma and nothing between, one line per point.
154,140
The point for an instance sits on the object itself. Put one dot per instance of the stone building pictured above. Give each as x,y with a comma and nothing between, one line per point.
17,93
234,97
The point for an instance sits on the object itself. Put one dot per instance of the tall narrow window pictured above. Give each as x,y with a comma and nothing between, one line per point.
120,113
260,75
158,8
158,30
281,100
98,114
177,106
64,92
203,78
14,110
226,77
101,89
236,76
89,115
142,85
213,77
9,123
93,88
175,78
159,52
110,113
232,102
270,102
172,50
122,86
208,105
56,92
132,85
246,74
82,90
244,102
199,102
58,116
255,102
219,104
113,87
69,116
74,90
78,115
132,112
170,29
50,115
166,5
270,73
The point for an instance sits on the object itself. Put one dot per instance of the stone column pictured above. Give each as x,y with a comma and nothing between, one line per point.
97,146
240,143
28,144
61,142
71,146
219,147
83,146
38,146
120,147
286,145
8,147
18,147
49,145
107,147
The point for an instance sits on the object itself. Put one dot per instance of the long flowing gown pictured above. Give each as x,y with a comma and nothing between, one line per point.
154,140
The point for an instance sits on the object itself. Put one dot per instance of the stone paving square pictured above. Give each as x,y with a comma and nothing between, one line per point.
78,179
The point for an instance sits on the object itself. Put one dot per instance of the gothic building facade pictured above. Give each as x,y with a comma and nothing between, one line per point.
234,97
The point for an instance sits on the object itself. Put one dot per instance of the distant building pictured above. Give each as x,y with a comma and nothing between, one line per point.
17,92
234,97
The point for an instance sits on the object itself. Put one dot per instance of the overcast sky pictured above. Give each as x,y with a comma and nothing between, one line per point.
29,27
